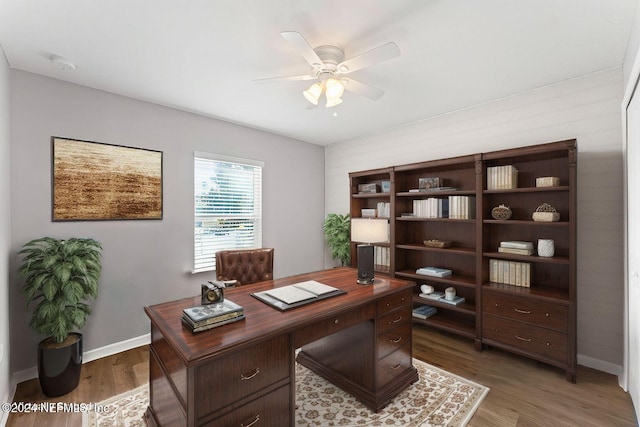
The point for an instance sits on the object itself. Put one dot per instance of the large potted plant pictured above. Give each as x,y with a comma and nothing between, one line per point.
60,277
337,230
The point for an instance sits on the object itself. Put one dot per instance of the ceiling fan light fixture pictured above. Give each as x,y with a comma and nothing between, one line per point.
313,93
334,88
332,102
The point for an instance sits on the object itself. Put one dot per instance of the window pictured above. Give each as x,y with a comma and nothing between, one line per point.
228,206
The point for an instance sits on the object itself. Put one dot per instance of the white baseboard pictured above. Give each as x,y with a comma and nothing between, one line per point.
87,356
609,368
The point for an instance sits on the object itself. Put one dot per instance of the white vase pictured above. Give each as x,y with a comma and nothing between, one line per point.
546,247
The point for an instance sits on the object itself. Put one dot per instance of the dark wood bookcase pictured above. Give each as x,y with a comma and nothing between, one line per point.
363,200
536,321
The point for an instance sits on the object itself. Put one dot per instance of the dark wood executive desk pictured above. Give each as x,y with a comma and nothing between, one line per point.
243,373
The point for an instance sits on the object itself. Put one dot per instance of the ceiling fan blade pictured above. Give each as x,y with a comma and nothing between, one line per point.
381,53
285,79
362,89
300,44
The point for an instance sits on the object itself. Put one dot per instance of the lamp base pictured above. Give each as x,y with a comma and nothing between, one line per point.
365,264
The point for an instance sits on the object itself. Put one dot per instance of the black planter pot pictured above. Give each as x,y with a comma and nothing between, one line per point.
59,365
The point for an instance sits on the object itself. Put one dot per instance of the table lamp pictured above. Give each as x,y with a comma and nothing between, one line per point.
367,231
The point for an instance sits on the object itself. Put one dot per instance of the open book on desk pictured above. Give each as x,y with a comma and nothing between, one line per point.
298,294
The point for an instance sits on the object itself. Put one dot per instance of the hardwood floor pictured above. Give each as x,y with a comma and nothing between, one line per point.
523,392
101,379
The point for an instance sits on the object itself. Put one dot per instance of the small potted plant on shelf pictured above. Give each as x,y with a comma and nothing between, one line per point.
60,276
337,230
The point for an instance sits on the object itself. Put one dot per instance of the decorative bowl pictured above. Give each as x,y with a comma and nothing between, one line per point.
434,243
501,212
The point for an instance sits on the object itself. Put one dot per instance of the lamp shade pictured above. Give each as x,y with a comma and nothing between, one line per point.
369,230
313,93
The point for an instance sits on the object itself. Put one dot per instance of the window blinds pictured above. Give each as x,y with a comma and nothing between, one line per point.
228,206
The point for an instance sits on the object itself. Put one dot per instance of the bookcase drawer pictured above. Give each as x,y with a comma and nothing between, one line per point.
543,314
528,338
228,379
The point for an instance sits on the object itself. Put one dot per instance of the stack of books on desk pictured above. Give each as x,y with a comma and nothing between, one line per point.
204,317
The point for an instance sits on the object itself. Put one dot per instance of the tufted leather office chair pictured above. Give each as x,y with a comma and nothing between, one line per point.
245,266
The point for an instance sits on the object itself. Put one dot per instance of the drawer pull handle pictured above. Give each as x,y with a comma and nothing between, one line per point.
396,340
244,377
397,366
522,311
398,319
255,420
523,339
336,321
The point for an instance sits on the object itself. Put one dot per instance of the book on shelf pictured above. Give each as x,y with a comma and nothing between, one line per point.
431,208
502,177
516,251
516,244
510,272
434,271
462,207
424,311
455,301
436,295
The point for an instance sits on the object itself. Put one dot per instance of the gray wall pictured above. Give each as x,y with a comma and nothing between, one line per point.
585,108
5,232
147,262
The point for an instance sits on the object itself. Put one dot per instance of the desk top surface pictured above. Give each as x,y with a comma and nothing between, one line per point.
263,321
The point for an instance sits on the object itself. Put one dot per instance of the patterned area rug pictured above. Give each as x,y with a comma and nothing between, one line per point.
438,398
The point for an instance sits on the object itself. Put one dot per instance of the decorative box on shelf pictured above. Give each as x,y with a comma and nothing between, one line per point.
547,181
546,213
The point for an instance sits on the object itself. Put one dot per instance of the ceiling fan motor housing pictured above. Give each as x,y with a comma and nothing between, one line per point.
331,56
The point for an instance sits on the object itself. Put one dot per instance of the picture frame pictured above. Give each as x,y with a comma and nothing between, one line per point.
94,181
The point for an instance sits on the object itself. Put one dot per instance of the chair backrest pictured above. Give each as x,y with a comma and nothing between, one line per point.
245,265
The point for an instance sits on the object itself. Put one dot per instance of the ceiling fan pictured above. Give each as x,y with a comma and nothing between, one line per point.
328,68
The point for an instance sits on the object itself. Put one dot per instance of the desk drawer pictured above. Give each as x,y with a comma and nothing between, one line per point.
334,324
270,410
535,312
392,340
393,319
230,378
394,301
530,339
393,365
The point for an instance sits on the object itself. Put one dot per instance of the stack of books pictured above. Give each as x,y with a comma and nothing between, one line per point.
432,207
502,177
510,272
516,247
424,311
204,317
434,271
462,207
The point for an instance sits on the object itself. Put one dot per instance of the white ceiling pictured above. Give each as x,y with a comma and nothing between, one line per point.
203,55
